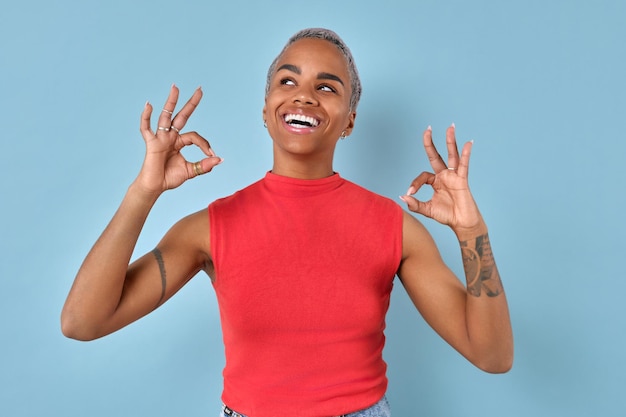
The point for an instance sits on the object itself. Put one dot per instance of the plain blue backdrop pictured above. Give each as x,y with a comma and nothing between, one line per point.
539,86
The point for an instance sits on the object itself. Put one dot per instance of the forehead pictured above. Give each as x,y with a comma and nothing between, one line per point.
317,53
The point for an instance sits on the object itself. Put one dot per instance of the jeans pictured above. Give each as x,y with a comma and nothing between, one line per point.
380,409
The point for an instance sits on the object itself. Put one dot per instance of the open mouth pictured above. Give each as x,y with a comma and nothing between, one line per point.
300,120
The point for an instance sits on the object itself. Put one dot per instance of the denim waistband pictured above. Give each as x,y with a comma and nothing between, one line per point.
380,409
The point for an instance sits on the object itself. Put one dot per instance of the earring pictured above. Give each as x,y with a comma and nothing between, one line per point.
343,135
265,124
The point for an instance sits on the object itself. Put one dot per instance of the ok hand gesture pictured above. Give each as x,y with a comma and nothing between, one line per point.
452,203
164,166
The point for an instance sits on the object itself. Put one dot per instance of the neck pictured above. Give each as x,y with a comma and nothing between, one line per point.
303,167
305,172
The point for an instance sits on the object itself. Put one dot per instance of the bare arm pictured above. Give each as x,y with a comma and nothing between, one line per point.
474,319
107,293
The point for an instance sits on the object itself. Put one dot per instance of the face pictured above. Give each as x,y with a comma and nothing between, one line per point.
307,107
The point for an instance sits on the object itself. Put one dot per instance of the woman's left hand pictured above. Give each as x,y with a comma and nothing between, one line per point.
452,203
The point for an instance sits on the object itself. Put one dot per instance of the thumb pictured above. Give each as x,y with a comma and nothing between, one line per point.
206,165
415,205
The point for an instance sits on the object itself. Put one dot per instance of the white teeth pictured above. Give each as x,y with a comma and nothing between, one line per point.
301,119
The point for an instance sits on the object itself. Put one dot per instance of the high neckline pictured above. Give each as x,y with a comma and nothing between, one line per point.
296,187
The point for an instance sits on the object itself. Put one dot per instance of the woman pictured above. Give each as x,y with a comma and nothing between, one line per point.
302,261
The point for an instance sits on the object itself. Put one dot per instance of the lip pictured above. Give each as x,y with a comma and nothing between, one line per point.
299,130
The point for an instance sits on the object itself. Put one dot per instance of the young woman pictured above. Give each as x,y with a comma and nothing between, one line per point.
302,261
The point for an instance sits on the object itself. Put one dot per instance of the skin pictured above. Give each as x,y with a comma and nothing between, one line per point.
473,319
311,79
108,293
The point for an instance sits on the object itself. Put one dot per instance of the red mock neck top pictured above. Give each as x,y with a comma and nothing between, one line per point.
303,275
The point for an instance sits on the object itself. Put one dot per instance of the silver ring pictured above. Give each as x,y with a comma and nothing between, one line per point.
165,129
167,111
452,169
175,129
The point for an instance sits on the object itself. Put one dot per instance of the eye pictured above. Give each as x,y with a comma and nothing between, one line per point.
326,88
287,81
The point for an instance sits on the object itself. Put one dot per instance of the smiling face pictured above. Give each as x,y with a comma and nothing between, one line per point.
307,107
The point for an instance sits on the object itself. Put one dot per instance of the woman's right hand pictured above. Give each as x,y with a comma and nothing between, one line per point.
164,166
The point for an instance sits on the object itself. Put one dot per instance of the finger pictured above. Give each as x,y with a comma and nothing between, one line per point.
419,181
466,152
453,152
417,206
204,166
193,138
144,124
165,118
180,120
436,162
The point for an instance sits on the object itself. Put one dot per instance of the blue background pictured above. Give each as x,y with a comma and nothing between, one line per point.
539,86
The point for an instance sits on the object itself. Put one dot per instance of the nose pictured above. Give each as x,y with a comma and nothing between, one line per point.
304,95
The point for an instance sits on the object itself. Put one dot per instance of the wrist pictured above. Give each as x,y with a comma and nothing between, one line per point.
466,233
136,192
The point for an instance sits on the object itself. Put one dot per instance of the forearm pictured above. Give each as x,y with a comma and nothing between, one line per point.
487,316
99,283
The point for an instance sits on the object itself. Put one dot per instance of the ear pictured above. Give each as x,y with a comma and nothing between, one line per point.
350,126
265,112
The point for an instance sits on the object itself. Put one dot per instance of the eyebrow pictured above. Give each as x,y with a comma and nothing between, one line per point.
320,76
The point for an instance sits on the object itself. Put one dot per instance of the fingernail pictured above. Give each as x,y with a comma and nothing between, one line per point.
410,191
453,125
429,128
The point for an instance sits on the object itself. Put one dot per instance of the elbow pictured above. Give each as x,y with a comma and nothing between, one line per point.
498,368
72,328
495,357
496,364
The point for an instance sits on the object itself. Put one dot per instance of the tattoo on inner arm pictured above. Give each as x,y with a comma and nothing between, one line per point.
480,267
159,258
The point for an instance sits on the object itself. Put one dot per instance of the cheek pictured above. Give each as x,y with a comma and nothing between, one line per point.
342,116
271,103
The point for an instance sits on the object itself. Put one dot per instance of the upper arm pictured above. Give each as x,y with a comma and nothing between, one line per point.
157,275
434,289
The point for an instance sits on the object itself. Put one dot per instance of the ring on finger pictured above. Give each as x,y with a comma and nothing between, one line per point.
163,128
175,129
167,111
197,168
452,169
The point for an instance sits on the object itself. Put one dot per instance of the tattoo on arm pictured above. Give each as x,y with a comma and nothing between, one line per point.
159,258
480,267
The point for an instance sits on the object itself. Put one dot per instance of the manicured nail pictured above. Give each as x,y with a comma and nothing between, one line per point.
410,191
453,125
429,128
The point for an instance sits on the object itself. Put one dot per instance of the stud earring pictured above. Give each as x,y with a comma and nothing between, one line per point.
265,124
343,135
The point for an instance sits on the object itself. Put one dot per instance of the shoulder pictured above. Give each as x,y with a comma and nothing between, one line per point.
417,242
194,221
353,190
240,197
190,235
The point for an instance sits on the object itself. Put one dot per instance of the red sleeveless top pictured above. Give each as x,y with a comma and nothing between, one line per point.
303,275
